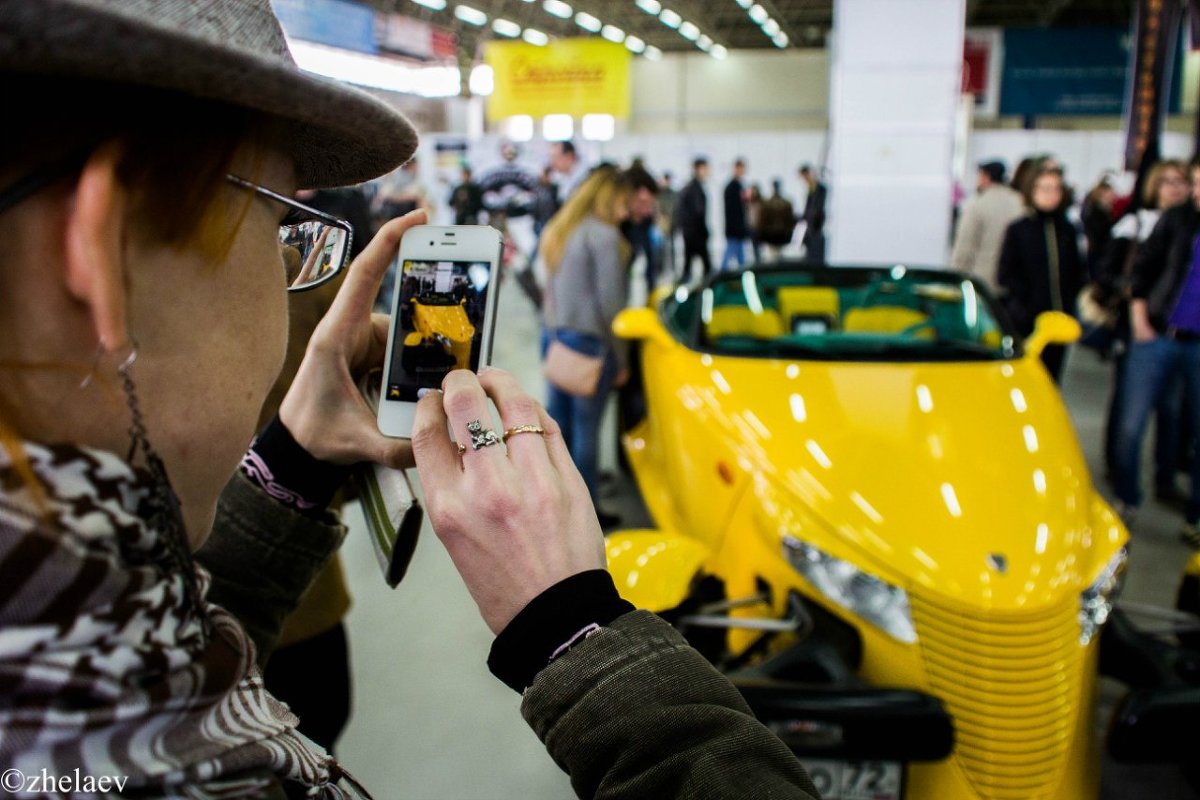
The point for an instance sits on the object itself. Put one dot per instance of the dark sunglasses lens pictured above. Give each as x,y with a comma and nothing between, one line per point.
311,251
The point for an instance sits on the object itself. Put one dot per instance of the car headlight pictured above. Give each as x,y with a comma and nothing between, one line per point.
1096,601
878,602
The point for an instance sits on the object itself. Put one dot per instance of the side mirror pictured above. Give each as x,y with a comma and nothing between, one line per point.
1051,327
640,323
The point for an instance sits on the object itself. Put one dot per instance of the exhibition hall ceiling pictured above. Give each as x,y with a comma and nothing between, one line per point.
805,23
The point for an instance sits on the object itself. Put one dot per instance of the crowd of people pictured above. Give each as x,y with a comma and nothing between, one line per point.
1125,266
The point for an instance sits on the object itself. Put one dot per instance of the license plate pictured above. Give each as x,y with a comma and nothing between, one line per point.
856,780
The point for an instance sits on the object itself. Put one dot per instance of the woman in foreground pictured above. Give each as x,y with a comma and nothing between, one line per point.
142,322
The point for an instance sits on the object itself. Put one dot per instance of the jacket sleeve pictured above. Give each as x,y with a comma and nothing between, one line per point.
966,240
263,556
634,712
1151,258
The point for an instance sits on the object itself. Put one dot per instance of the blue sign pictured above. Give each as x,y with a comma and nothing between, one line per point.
337,23
1064,71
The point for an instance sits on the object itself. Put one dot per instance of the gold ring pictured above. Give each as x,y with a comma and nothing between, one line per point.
538,429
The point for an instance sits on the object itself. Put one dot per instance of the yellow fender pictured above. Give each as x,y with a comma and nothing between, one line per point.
413,339
654,570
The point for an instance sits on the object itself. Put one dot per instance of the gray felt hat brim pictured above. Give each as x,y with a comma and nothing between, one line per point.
231,51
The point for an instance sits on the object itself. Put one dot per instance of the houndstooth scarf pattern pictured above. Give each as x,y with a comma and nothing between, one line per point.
103,665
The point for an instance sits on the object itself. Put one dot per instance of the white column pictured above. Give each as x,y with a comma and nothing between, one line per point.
893,97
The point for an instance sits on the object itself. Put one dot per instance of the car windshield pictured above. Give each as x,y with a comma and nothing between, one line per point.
841,313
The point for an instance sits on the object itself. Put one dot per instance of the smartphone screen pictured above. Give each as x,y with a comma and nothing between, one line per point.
439,324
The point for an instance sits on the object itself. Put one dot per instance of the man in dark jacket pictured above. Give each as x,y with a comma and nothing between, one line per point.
814,217
736,229
1165,321
692,211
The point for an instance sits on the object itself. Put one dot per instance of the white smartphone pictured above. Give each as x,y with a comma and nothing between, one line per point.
443,315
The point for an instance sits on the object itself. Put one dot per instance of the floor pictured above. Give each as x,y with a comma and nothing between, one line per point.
431,723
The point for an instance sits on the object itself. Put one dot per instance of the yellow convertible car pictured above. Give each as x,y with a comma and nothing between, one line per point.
441,327
872,511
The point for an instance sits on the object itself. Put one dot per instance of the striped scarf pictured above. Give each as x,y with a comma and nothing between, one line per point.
103,667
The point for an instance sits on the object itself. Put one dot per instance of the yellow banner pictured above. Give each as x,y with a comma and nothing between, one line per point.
567,76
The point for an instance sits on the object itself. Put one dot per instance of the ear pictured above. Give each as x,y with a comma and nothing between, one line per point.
95,231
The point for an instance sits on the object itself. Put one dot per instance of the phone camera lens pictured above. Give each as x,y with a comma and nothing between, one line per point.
431,244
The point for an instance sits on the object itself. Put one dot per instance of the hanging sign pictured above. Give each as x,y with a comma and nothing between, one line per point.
1155,34
567,76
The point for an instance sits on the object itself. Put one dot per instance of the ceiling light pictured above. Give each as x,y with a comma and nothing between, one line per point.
649,6
635,44
381,73
613,34
535,37
558,8
507,28
519,128
436,5
653,53
482,81
688,30
670,18
781,40
758,13
770,27
471,16
719,51
588,22
558,127
705,43
745,3
599,127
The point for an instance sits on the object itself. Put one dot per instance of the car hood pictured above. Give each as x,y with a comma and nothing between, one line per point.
961,479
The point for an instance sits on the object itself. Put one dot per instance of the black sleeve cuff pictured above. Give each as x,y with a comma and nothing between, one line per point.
551,623
289,473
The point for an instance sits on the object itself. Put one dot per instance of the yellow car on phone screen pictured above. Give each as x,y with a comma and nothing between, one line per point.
872,511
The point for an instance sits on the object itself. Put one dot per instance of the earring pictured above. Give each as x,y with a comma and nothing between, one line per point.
91,376
166,515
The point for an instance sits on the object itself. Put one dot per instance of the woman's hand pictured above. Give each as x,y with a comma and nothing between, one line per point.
323,409
516,519
1139,322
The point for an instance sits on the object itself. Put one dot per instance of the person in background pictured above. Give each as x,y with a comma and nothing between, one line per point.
399,193
814,216
587,264
1164,316
777,221
640,229
545,201
1097,219
984,220
737,229
1166,187
466,199
691,215
667,197
754,201
570,168
1040,265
